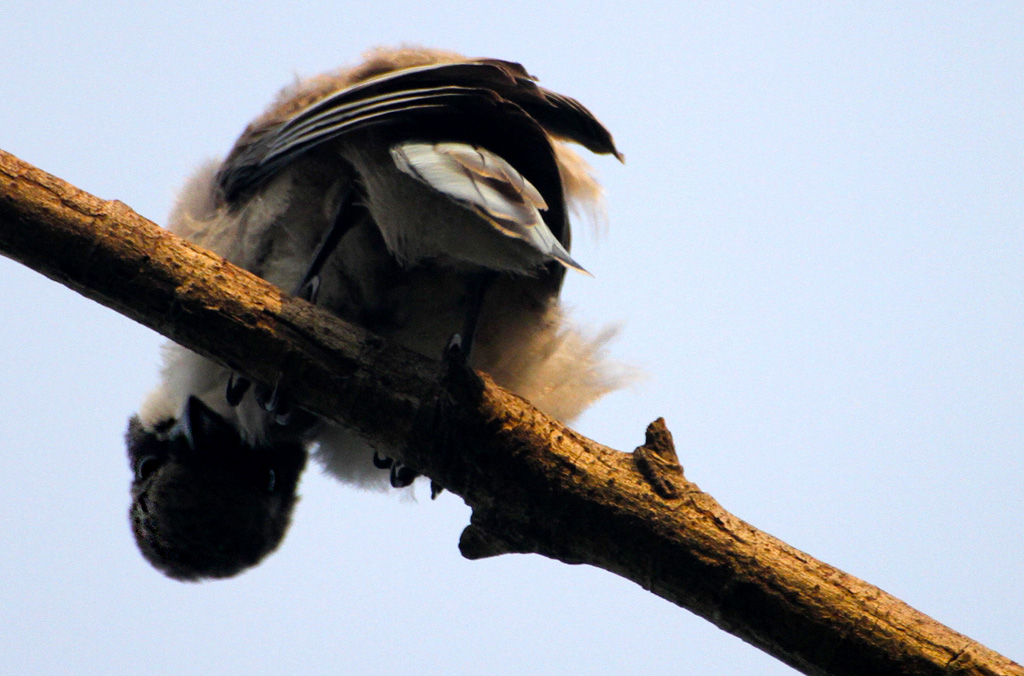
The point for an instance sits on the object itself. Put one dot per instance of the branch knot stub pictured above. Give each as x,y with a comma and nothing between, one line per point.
485,537
477,543
658,463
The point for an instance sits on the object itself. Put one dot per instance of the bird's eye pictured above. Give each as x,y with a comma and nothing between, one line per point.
271,480
146,465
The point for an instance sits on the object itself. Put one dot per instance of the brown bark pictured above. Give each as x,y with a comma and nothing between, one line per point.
534,485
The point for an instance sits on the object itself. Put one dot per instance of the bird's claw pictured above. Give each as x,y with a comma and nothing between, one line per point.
236,389
274,402
402,475
310,290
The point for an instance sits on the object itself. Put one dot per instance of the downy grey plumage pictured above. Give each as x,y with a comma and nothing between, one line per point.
438,169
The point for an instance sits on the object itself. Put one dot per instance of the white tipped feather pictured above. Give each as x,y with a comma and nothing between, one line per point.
486,184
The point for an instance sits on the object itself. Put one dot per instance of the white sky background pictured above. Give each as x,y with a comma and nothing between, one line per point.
816,250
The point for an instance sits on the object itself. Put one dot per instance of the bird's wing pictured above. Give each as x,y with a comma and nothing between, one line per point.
476,87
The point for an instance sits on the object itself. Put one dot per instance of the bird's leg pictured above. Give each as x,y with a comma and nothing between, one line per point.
461,344
455,360
345,217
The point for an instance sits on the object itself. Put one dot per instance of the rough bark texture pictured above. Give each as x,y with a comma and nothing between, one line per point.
534,485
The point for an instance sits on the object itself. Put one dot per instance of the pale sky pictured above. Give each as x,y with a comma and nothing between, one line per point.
815,250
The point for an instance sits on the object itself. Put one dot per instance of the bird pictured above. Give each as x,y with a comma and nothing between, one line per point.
420,194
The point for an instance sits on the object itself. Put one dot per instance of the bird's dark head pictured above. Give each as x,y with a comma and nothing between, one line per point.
205,504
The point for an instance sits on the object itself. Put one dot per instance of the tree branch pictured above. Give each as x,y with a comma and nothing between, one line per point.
534,485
